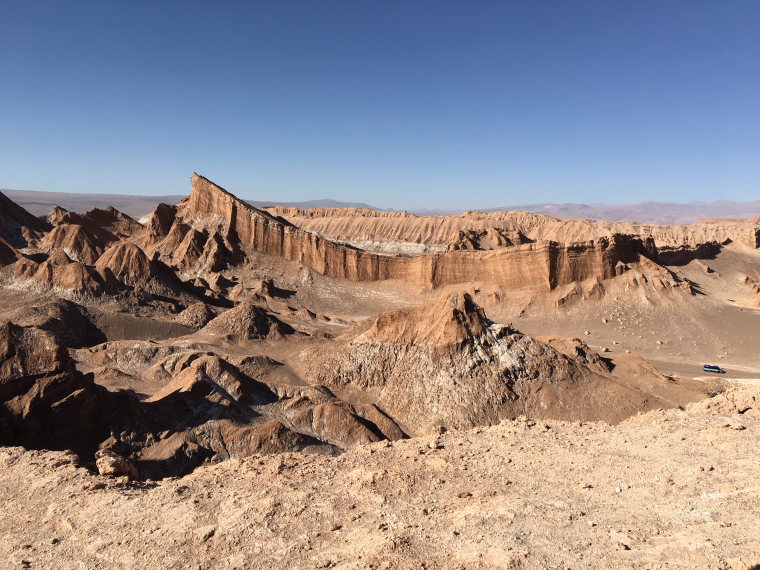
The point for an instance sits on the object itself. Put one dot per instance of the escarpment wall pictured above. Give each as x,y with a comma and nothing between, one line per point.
543,265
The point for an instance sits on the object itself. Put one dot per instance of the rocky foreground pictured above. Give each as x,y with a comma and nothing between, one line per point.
666,489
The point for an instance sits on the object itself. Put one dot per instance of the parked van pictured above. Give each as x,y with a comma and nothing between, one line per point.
713,368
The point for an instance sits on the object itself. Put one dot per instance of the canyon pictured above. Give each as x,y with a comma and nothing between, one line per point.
212,338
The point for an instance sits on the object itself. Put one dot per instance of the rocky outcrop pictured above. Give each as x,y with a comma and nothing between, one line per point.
446,364
110,464
540,266
71,324
196,315
60,272
8,253
683,254
489,238
75,241
579,351
107,224
17,226
46,403
191,250
330,422
246,321
754,286
160,221
346,226
127,263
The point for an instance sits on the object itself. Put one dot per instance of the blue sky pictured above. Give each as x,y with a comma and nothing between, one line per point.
407,104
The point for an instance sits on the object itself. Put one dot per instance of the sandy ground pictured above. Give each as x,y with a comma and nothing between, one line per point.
664,490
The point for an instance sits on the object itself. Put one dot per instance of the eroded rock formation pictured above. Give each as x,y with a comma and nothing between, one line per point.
445,364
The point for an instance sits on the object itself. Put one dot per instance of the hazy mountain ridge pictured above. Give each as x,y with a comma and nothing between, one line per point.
39,203
646,212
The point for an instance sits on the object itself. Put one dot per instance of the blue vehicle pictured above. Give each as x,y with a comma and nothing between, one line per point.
713,368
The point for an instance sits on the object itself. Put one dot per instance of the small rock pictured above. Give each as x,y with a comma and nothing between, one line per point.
737,564
205,533
111,464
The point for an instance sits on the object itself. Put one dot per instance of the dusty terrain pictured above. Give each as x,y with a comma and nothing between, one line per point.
662,490
224,386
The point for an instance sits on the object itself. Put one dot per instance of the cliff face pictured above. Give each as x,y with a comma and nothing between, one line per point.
543,265
438,231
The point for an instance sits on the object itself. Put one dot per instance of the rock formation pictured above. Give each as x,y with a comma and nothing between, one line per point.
490,238
107,224
351,227
17,226
75,241
246,321
219,330
445,364
540,266
754,286
60,272
46,403
8,253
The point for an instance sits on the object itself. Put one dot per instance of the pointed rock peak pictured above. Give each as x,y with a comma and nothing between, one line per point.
210,198
160,221
127,262
57,215
124,250
447,321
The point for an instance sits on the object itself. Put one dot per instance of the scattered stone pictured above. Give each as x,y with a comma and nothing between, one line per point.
110,464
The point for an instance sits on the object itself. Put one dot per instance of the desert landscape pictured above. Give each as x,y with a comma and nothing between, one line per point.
218,385
420,285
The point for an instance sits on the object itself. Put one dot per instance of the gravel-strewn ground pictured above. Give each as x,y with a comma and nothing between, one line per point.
663,490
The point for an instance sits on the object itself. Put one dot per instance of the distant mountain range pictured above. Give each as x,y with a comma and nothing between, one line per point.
645,212
39,203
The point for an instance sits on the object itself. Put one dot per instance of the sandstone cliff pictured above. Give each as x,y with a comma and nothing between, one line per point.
348,226
539,266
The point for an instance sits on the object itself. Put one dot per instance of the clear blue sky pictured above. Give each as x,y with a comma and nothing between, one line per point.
405,104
